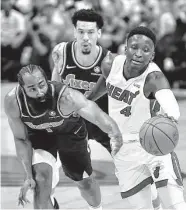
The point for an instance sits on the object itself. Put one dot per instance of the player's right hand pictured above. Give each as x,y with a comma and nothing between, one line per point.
28,184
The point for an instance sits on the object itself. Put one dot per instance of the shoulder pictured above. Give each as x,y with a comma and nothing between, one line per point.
57,51
155,74
59,47
107,63
72,99
11,104
155,81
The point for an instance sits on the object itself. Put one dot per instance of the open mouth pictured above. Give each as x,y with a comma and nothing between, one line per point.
136,62
41,99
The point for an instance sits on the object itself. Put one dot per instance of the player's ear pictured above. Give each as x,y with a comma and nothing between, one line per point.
99,33
125,49
152,58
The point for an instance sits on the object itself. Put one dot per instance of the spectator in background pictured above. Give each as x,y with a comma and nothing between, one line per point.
171,49
114,31
13,34
167,22
64,13
40,39
180,19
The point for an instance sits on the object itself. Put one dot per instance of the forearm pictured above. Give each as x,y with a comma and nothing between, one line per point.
24,153
108,125
168,102
98,91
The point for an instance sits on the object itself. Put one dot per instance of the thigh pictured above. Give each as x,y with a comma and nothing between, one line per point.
45,165
166,169
171,195
76,163
132,172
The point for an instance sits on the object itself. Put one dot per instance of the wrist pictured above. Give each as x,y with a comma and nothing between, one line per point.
28,176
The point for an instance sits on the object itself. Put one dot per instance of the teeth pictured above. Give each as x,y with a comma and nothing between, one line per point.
135,61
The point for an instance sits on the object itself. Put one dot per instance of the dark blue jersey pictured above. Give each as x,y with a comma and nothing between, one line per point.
51,120
80,77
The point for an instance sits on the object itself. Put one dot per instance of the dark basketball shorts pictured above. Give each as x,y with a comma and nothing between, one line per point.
43,140
74,154
96,133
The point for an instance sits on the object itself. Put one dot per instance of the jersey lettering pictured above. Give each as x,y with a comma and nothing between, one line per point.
121,95
126,111
46,126
71,80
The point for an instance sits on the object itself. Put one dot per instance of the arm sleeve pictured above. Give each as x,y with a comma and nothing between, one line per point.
168,102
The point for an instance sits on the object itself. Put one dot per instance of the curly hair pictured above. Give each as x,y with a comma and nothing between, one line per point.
88,15
29,69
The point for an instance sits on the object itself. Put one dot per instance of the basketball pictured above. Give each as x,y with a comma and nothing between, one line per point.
159,136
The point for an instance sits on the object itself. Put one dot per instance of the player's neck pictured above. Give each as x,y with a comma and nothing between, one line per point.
130,73
86,59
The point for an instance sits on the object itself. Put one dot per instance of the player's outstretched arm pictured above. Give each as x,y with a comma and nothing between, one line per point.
75,101
158,86
58,58
23,145
100,88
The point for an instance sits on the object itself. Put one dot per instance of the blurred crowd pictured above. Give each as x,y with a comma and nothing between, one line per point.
31,28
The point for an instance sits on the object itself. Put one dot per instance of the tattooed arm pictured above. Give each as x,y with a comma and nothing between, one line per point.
58,59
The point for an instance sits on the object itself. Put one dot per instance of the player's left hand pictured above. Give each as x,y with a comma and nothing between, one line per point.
28,184
171,118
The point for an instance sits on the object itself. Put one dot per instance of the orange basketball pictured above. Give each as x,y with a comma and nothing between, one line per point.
159,136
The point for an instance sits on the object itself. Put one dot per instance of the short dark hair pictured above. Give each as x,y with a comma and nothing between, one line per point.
88,15
29,69
143,31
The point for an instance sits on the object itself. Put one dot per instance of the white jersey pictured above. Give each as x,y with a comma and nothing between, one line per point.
128,105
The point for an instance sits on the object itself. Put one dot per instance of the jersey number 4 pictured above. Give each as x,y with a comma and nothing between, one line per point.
126,111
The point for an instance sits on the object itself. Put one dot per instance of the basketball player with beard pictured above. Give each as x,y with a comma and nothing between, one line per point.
77,63
137,89
40,114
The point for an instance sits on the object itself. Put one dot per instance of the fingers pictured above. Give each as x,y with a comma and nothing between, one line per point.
22,200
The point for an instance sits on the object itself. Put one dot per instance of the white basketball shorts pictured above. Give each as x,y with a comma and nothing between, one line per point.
135,169
42,156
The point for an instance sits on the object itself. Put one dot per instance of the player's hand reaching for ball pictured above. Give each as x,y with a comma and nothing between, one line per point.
171,118
28,184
